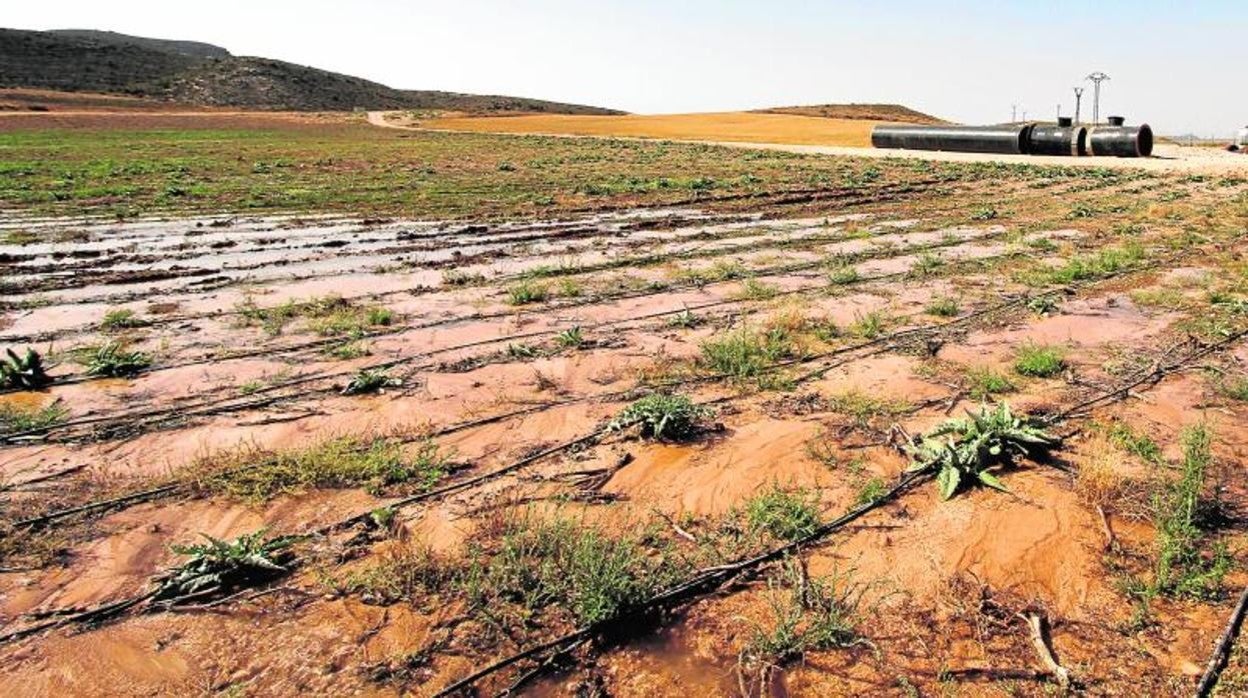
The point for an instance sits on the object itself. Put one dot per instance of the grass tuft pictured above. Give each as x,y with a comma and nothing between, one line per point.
785,514
15,419
1039,360
376,464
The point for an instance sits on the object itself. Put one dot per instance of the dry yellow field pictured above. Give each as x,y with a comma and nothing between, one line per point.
724,126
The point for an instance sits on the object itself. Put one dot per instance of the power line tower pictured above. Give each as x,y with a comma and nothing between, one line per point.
1013,113
1078,103
1097,78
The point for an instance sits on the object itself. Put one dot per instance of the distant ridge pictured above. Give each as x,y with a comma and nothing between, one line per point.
196,49
197,73
868,112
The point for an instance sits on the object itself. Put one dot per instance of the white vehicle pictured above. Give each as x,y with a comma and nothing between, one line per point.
1241,138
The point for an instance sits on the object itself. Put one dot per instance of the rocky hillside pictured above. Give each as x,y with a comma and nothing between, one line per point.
195,73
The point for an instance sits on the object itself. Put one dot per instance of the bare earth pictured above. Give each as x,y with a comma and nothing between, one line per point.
797,134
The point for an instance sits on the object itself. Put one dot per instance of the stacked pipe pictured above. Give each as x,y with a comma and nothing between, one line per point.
1065,138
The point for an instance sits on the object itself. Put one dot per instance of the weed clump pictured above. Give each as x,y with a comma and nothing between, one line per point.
24,371
1039,360
746,353
984,381
576,568
926,264
962,451
328,316
806,614
571,338
376,464
662,416
370,380
943,306
843,275
218,567
526,292
868,326
788,515
685,319
1181,568
405,572
16,420
121,319
1235,388
862,408
754,290
113,360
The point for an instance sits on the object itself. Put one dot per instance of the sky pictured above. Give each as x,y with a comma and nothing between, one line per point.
1176,65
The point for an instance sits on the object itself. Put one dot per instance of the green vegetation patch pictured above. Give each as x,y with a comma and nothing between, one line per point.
376,464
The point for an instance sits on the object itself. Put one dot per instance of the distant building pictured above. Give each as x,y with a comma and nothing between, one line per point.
1241,138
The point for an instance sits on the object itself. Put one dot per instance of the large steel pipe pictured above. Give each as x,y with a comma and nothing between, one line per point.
1009,140
1119,140
1063,139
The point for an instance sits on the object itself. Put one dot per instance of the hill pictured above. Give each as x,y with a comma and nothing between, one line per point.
202,74
197,49
866,112
83,64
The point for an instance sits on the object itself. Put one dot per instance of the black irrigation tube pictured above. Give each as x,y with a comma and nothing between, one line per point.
1222,651
710,579
205,405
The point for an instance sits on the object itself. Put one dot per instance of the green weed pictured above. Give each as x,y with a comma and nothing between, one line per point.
943,306
806,614
983,382
16,420
785,514
113,360
370,380
526,292
121,319
745,353
375,464
1039,360
662,416
967,450
1181,568
23,371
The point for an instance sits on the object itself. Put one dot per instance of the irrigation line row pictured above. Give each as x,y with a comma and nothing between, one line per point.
391,363
883,341
864,199
632,261
772,242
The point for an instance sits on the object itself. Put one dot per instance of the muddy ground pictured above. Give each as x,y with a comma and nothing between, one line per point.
858,323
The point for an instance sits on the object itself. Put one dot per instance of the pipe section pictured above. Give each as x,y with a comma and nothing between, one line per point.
1058,140
1114,139
1121,141
1007,140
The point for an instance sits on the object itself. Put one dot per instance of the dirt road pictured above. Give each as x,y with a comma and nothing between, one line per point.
1167,158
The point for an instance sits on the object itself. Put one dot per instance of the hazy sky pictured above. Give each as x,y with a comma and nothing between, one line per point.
1178,65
